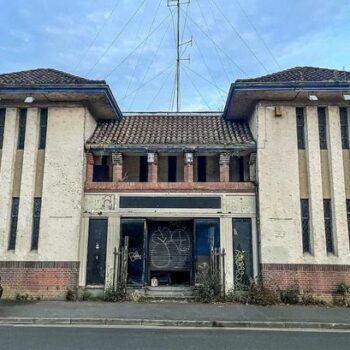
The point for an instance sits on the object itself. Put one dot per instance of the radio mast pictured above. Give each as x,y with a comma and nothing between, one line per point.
179,44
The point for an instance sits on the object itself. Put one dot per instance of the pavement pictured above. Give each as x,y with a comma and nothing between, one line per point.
172,314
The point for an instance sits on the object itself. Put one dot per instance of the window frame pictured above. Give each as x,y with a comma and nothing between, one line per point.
43,128
300,121
305,225
344,127
13,224
22,123
201,174
328,225
36,223
322,127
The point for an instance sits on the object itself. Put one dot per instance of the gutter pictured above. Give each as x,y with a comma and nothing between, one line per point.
170,148
288,86
70,88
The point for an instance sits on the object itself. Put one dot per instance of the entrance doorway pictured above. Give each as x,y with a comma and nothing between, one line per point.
170,252
96,257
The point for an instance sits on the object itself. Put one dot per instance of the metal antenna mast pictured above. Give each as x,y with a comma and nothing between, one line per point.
178,4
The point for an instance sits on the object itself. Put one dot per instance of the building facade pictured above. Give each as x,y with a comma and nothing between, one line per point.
80,181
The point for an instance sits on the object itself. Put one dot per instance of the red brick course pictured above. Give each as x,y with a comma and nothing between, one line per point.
321,279
241,187
46,279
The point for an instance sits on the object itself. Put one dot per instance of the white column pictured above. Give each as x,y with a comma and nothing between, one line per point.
111,244
315,184
227,243
83,250
340,228
25,214
6,176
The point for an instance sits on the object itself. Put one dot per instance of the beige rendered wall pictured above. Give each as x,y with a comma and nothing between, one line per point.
278,177
281,185
63,184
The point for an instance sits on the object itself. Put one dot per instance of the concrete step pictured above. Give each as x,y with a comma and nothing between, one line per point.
171,292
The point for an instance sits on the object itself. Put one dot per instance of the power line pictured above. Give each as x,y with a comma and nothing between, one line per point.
97,34
141,52
198,91
136,48
218,48
150,80
207,80
116,37
258,34
151,63
159,90
240,36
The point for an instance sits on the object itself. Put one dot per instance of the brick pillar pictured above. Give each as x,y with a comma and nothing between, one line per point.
188,167
224,167
117,162
89,167
152,167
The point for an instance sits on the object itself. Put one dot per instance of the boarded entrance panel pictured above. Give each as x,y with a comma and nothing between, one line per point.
96,260
170,246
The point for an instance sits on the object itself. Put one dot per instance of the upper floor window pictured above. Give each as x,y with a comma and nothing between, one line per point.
300,127
102,169
322,127
143,175
344,127
172,168
201,169
2,126
22,128
43,128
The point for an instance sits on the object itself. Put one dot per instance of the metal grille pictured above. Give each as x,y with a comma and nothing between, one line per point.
170,246
43,128
22,128
14,220
36,223
300,128
305,225
2,126
327,207
344,128
322,127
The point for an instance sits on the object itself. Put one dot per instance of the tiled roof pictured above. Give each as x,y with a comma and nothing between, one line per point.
302,74
172,129
44,76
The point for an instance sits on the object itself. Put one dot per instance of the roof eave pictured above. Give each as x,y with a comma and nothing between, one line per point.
237,87
65,88
172,148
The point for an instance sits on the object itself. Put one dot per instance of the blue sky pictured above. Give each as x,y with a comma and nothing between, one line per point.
76,36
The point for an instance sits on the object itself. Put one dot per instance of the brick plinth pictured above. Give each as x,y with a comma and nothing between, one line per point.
241,187
321,279
45,279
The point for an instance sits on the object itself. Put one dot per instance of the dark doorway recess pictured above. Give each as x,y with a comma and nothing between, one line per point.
96,259
171,252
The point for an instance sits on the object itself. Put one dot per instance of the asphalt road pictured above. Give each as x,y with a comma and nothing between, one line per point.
85,338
